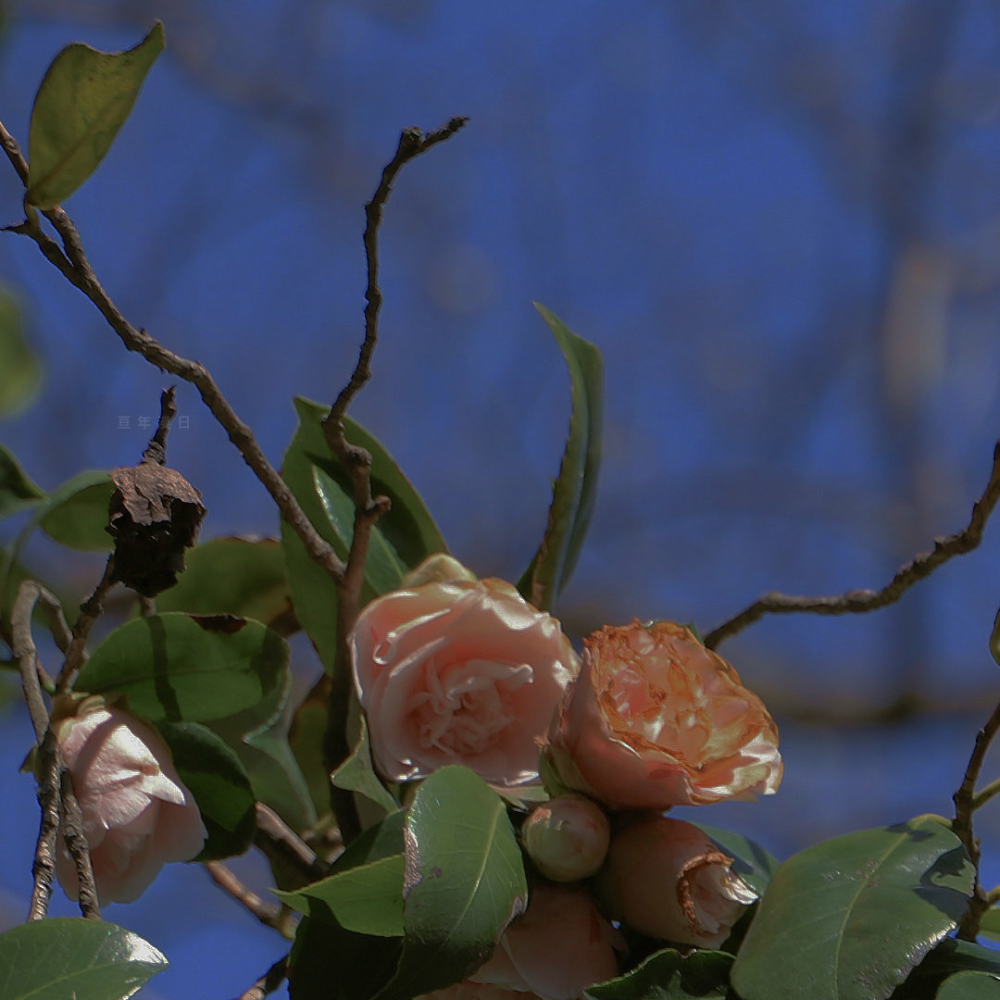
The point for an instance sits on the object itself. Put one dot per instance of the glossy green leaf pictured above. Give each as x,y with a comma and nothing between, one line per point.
306,735
667,976
17,491
233,576
76,513
258,735
849,918
328,962
357,774
84,99
954,970
182,668
382,840
575,488
367,899
406,534
464,881
20,372
213,774
751,862
70,957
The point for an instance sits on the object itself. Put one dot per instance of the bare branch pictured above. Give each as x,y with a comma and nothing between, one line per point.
72,262
269,915
269,982
282,845
965,806
357,461
91,609
58,804
860,601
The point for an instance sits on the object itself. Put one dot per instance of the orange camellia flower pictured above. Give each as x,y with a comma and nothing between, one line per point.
667,879
657,720
559,947
459,671
137,814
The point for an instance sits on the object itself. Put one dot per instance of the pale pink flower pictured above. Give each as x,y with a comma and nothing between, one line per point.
137,814
667,879
656,720
459,672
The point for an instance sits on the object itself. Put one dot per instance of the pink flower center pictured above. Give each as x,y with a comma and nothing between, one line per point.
467,707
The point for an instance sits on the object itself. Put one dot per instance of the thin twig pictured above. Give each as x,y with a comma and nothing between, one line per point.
76,843
357,461
282,845
91,609
156,450
860,601
985,795
72,262
269,982
964,800
223,876
59,807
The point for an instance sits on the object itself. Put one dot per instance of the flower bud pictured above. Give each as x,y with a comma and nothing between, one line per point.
567,838
667,879
137,814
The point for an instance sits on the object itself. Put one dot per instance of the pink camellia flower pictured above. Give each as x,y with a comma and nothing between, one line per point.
567,837
559,947
657,720
667,879
137,815
459,672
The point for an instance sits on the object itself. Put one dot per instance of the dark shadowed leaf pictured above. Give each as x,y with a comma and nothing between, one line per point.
849,918
17,491
70,957
954,970
575,488
20,372
464,881
668,976
183,668
84,99
220,785
328,962
403,537
233,576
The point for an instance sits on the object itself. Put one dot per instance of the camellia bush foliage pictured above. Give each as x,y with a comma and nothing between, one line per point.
467,803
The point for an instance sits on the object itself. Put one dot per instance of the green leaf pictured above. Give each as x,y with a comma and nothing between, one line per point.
989,925
76,513
258,734
233,576
306,735
382,840
328,962
464,881
849,918
182,668
220,785
403,537
575,489
751,862
17,491
954,970
84,99
72,957
20,372
357,774
667,976
367,899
